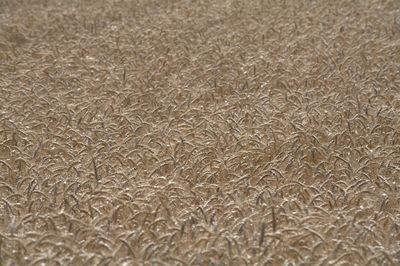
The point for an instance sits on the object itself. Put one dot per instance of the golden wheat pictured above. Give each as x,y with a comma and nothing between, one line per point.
199,132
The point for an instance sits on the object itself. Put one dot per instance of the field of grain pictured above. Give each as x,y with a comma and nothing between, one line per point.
208,132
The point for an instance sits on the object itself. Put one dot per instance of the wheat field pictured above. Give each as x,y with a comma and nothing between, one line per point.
226,132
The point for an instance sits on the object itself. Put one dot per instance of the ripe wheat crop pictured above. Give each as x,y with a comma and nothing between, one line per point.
182,132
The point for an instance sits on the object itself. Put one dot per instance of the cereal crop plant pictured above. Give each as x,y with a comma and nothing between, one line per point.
180,132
